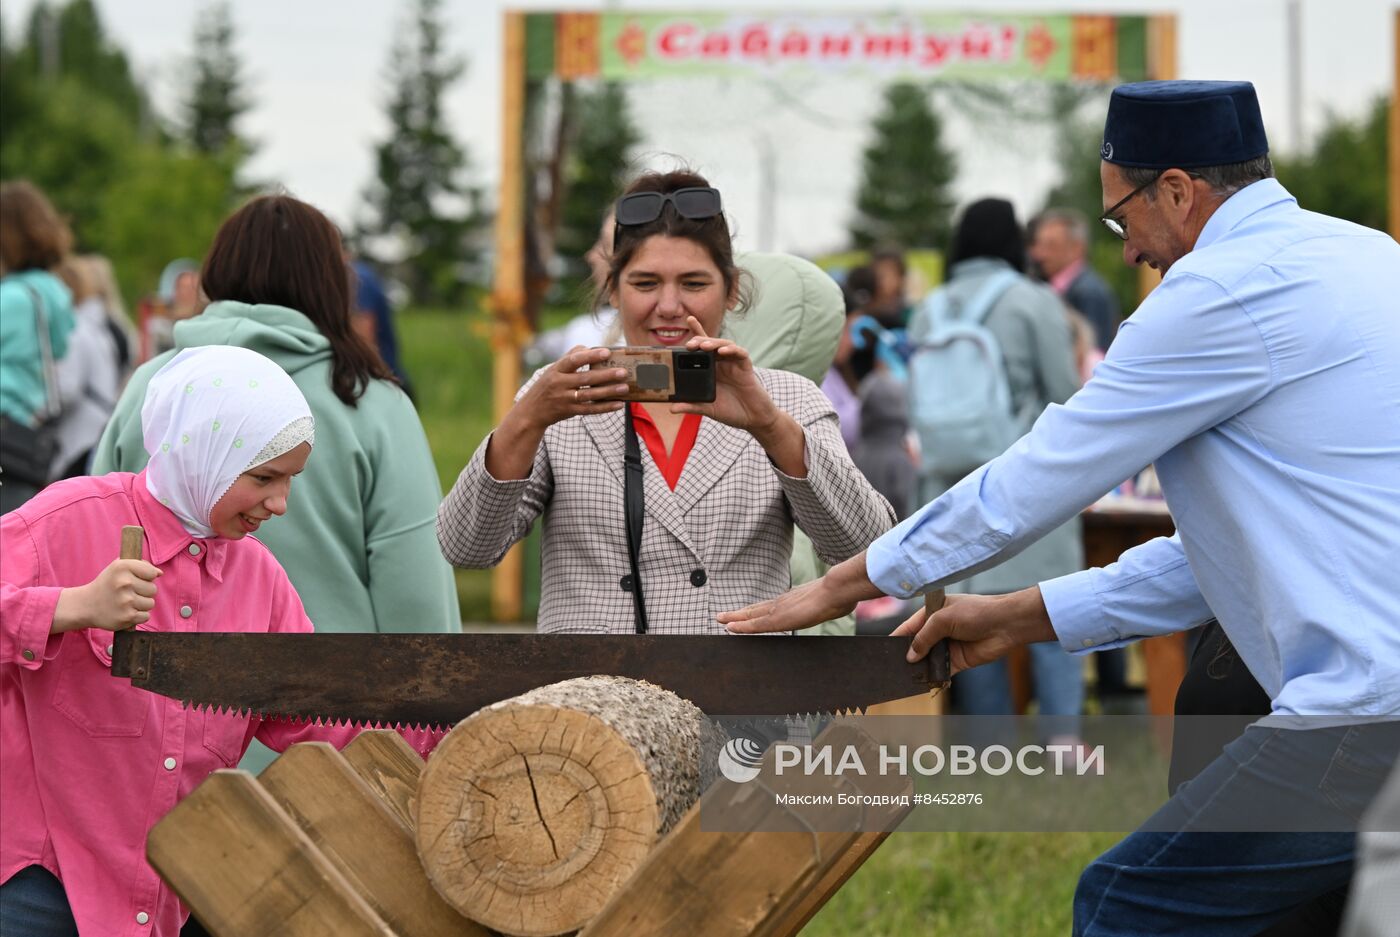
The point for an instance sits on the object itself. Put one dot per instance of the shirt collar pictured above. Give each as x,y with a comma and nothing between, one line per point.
1252,198
166,536
1062,280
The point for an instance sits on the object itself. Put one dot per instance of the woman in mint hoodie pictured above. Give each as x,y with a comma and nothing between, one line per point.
359,543
33,239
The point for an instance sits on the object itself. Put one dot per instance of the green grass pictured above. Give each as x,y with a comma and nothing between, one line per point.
968,884
447,354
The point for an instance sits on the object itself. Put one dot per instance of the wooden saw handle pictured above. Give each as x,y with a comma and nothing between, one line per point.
933,601
132,537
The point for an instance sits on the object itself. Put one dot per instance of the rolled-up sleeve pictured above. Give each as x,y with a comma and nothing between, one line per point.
1190,358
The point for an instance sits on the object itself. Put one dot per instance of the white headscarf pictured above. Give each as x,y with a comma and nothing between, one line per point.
211,414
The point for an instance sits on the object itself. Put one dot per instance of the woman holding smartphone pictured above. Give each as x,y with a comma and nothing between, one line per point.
722,483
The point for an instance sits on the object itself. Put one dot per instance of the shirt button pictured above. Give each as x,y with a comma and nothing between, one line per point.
142,917
907,586
27,654
626,583
697,578
1088,642
170,764
194,549
110,649
186,611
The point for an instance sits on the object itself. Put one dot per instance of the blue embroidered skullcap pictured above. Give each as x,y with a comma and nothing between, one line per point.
1183,124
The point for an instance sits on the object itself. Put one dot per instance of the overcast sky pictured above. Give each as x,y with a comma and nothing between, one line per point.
316,71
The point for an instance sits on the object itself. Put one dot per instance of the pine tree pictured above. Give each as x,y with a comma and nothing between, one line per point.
904,195
216,99
76,121
69,42
598,167
419,199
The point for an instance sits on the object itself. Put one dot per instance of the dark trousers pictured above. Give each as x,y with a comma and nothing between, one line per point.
34,904
1217,683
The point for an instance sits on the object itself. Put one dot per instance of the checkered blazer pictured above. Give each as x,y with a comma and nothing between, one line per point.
720,541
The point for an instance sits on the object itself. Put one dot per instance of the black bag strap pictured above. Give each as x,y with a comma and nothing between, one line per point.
635,503
52,407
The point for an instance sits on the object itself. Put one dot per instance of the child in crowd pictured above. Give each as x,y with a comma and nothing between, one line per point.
91,763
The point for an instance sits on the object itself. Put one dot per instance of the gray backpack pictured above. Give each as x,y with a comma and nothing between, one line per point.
959,397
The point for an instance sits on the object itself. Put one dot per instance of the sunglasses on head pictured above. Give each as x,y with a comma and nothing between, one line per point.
696,203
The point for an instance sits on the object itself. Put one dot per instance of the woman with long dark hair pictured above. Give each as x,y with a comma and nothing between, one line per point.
358,543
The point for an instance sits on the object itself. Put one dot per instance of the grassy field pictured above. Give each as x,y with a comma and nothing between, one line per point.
967,884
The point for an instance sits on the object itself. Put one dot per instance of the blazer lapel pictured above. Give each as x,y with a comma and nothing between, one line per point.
717,447
607,431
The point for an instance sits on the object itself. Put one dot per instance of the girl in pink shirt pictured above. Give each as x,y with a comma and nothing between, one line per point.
89,763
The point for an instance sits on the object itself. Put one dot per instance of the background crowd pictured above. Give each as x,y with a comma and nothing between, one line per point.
1019,323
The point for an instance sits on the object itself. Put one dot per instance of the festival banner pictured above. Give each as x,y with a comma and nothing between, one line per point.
621,46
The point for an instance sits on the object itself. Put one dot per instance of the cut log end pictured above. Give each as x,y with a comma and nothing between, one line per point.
532,812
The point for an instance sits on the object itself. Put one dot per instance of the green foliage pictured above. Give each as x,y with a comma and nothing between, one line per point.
904,195
69,41
598,166
448,354
82,133
215,98
420,200
167,204
1345,173
66,140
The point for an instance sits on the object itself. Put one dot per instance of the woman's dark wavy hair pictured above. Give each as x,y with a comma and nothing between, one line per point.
710,233
278,250
988,228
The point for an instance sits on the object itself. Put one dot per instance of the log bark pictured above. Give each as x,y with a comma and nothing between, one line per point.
533,811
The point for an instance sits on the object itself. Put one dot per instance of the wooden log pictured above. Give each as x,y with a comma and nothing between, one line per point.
390,766
236,858
363,838
757,869
727,883
533,811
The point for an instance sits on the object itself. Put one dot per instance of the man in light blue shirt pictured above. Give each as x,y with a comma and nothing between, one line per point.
1263,380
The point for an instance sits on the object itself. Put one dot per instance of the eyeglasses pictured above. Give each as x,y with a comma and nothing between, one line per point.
1120,228
696,203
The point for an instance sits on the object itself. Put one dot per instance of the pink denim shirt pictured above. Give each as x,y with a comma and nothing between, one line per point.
88,763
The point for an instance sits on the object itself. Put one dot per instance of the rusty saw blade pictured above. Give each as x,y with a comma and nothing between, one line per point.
439,679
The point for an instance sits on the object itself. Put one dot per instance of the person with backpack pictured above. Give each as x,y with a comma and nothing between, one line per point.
991,350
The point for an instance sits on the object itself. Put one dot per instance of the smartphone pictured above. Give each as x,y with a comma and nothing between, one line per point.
673,375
